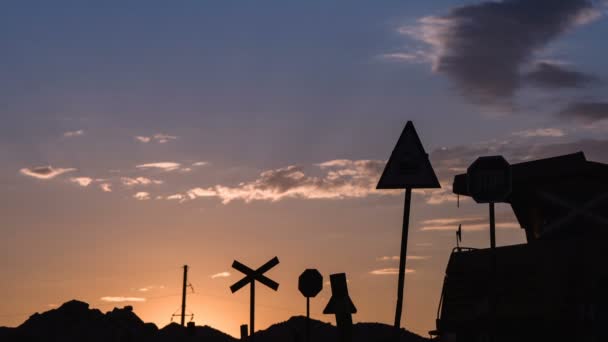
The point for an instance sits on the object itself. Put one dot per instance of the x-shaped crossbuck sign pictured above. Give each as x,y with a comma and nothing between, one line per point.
576,210
253,275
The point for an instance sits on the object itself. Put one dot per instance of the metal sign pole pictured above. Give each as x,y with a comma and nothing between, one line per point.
403,258
251,276
492,227
252,312
310,283
308,319
493,273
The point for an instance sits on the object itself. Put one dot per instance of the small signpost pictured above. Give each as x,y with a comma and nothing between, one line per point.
407,168
251,276
342,306
310,283
489,180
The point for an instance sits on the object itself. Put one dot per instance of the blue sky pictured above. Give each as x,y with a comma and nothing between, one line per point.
263,96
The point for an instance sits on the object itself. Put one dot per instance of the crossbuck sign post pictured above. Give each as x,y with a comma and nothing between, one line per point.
251,276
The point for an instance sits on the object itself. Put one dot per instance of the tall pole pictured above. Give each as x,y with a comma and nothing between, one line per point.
252,312
492,227
307,319
402,258
183,317
492,273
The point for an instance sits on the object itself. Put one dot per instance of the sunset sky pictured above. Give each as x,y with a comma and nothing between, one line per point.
140,136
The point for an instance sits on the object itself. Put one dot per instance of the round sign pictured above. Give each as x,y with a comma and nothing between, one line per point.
310,283
489,179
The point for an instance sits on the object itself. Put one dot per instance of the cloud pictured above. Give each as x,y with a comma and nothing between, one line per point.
165,166
449,162
200,163
159,138
541,132
45,172
588,112
150,288
105,187
142,196
482,47
176,197
71,134
82,181
439,196
220,275
417,56
396,258
122,299
553,76
338,179
473,223
388,258
390,271
127,181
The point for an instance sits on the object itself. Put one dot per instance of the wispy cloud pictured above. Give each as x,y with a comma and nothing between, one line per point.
160,138
176,197
200,163
128,181
150,288
390,271
396,258
45,172
71,134
338,179
82,181
220,275
416,56
439,196
122,299
541,132
165,166
142,196
105,187
472,223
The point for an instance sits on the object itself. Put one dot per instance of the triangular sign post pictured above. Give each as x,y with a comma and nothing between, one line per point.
408,165
407,168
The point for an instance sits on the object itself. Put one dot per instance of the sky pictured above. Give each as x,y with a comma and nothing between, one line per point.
140,136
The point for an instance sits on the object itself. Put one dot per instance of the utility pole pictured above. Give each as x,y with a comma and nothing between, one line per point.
183,316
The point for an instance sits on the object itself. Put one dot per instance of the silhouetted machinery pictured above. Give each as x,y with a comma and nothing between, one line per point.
554,287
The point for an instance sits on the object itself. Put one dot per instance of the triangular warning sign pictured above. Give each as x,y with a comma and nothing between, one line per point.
345,304
409,165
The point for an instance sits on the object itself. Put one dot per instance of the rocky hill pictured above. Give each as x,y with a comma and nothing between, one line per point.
74,321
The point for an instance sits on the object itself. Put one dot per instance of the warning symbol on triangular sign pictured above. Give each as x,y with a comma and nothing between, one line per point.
409,165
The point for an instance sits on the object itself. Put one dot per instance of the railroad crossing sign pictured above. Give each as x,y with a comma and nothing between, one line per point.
310,283
407,168
342,306
489,179
574,210
251,276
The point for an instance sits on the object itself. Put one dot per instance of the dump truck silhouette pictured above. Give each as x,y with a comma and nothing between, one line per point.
554,287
